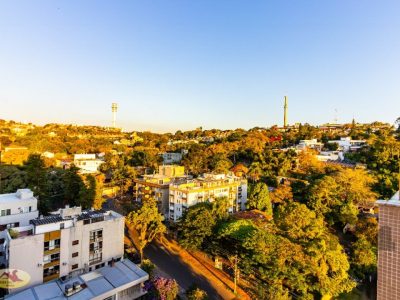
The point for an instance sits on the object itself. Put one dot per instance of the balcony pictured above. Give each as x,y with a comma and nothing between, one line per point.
51,276
51,251
52,264
96,239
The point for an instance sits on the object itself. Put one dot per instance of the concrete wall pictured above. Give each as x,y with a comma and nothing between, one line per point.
26,254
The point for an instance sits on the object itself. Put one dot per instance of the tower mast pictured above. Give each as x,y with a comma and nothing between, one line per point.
285,107
114,108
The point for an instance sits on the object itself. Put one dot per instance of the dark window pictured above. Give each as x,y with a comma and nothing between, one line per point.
85,222
1,241
61,225
74,266
75,254
30,208
76,242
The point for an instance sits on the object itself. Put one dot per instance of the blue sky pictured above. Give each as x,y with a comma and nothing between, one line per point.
174,64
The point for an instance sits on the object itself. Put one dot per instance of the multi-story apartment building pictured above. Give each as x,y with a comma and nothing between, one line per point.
209,187
389,249
121,280
65,244
16,209
156,186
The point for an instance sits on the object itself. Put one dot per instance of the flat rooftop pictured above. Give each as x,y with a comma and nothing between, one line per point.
94,284
83,215
20,195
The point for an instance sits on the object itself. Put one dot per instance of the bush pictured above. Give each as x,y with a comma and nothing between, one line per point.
166,289
194,293
148,267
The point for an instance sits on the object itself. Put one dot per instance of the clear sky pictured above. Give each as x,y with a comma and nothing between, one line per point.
175,64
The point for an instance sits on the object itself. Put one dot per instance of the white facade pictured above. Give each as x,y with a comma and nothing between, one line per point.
67,243
346,144
121,280
207,189
16,209
87,163
311,144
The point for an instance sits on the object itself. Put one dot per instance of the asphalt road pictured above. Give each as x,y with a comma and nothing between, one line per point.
172,265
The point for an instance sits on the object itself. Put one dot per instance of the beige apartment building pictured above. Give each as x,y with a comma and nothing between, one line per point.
208,187
156,186
65,244
389,249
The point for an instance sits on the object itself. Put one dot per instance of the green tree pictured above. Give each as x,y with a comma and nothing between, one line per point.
258,198
364,257
75,190
298,223
196,225
146,223
338,196
35,174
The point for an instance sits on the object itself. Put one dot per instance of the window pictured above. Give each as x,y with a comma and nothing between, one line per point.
96,246
61,225
50,245
75,254
5,212
75,266
96,234
86,222
95,258
76,242
51,258
30,208
51,271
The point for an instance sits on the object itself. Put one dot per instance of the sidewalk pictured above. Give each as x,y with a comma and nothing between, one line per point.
220,281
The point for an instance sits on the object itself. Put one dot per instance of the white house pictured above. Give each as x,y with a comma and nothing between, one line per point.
346,144
310,144
87,163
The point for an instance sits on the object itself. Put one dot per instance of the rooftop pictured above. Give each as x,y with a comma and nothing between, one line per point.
21,194
92,285
60,216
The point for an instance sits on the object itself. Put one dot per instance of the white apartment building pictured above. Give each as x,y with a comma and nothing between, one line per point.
16,209
121,280
346,144
65,244
87,163
209,187
310,144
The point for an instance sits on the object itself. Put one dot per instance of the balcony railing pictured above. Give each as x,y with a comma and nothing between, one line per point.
51,276
52,251
52,264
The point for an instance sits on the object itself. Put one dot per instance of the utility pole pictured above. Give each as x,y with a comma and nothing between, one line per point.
234,260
